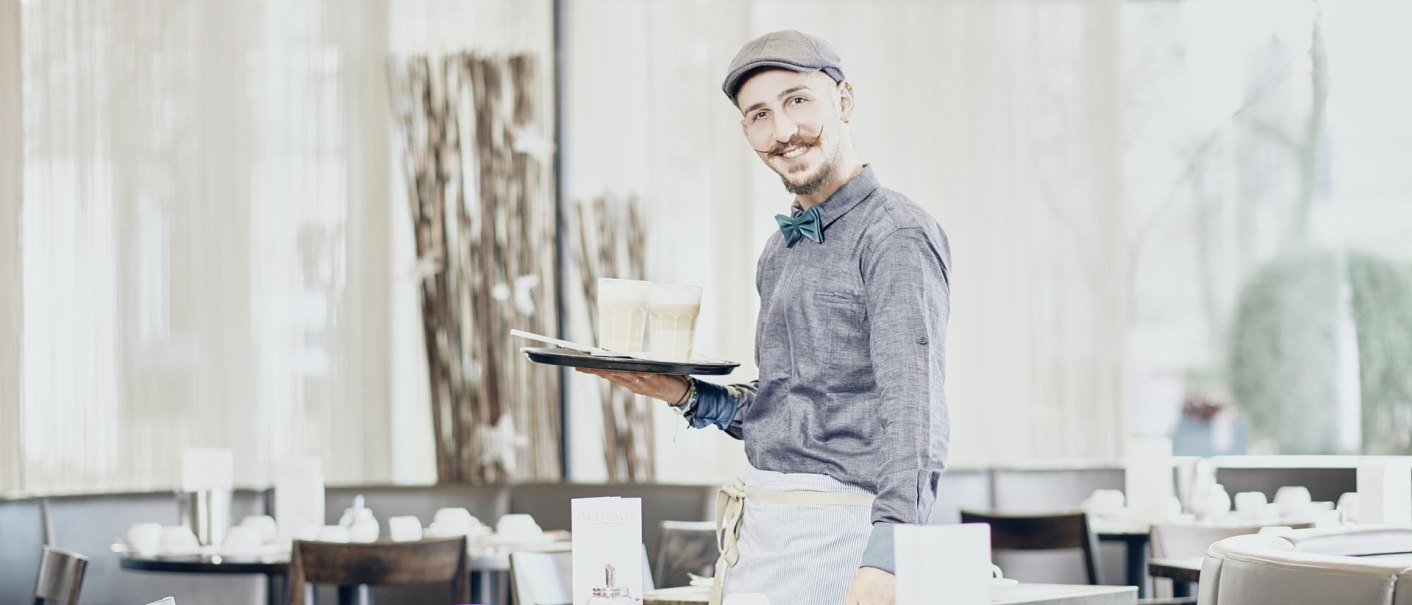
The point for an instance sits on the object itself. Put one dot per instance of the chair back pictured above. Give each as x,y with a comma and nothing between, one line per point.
60,577
684,547
1187,541
1053,531
380,563
541,578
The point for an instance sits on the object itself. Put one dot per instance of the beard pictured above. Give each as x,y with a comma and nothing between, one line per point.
814,183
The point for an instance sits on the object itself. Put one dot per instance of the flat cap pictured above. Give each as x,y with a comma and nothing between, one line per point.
786,49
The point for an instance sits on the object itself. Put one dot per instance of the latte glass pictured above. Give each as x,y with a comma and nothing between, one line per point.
622,314
672,312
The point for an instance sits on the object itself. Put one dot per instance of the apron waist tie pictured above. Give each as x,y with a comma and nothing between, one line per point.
730,509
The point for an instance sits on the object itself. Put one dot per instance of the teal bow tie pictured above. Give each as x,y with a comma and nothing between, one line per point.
807,224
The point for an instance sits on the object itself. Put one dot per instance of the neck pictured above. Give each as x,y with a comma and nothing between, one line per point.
845,172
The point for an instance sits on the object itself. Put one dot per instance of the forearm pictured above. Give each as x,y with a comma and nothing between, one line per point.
721,406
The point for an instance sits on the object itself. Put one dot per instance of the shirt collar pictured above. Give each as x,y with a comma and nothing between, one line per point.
855,190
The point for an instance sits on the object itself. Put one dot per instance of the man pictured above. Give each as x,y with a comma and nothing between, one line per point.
846,428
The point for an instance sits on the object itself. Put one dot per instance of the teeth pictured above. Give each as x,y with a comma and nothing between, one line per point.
794,153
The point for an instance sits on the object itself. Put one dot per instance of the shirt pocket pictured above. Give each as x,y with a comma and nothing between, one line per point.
842,326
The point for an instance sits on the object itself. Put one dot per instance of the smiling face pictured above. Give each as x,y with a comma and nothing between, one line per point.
795,122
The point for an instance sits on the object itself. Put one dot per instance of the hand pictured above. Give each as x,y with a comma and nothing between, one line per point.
871,586
665,387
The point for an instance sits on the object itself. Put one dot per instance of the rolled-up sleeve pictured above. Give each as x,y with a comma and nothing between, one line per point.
722,406
906,277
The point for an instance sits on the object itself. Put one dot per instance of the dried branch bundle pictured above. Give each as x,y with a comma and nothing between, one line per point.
482,207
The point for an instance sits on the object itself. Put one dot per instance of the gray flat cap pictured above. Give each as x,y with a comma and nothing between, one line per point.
786,49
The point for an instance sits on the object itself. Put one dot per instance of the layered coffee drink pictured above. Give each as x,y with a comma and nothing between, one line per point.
672,327
622,314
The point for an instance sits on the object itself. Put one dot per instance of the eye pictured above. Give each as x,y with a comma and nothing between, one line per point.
798,101
760,115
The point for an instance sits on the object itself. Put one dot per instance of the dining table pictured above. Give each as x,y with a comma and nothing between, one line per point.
489,569
1135,537
1014,594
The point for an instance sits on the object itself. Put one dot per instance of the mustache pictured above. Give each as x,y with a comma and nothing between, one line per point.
796,140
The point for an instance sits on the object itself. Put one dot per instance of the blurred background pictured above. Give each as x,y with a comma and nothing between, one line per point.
1180,218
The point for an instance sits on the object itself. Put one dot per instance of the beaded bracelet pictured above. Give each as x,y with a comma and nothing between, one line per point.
688,399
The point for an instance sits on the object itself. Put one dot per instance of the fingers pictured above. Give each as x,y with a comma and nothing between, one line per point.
665,387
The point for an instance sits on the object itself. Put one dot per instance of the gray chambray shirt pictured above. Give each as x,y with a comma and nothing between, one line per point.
851,349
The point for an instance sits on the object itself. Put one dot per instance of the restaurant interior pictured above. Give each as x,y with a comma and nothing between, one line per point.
272,274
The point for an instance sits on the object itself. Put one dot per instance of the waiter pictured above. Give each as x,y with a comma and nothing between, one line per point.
846,428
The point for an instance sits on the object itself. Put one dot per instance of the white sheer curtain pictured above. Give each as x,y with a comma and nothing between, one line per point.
1001,117
11,159
204,255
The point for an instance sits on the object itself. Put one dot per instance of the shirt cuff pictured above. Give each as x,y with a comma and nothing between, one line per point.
879,552
714,405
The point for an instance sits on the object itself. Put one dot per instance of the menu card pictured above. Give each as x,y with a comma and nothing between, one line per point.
607,548
299,497
951,560
1385,490
1148,482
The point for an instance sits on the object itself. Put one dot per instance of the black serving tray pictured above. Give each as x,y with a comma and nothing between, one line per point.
566,357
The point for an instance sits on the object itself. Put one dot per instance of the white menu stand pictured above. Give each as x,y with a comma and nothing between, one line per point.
951,560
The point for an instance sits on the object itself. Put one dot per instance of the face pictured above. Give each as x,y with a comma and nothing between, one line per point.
794,122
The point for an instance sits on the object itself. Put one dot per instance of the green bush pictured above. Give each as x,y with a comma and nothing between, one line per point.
1284,365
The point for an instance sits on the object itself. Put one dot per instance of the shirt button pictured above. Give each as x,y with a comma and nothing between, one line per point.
922,340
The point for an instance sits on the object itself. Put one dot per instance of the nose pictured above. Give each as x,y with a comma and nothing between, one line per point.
785,128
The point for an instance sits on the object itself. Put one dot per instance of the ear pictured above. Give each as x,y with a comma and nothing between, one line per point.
845,100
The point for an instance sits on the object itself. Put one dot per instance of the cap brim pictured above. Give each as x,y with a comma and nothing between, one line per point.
741,74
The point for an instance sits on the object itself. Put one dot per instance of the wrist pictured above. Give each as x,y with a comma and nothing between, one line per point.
688,398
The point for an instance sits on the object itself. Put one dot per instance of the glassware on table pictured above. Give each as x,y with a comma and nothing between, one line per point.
207,514
609,593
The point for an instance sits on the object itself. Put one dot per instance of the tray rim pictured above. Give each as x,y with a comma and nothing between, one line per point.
703,367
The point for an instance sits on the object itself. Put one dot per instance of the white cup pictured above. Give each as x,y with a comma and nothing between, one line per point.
622,314
1105,502
1250,505
145,538
1293,500
178,540
243,539
333,533
671,327
1348,507
457,521
518,526
404,529
265,524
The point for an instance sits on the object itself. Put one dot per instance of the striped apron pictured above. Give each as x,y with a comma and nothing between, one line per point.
796,537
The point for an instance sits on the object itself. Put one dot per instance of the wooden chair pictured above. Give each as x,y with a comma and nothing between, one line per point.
60,577
379,563
1054,531
683,548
